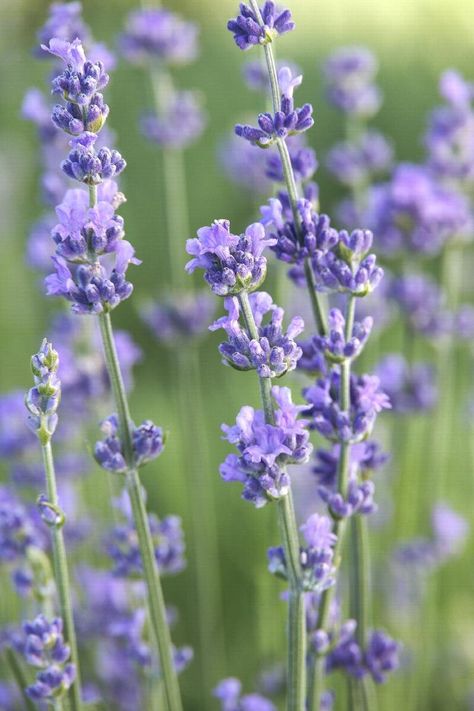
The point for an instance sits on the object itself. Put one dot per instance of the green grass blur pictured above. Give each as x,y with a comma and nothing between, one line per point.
414,42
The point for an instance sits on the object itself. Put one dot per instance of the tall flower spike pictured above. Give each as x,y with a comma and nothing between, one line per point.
42,400
96,285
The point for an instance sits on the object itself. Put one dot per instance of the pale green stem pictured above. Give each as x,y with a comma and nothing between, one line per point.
203,517
201,499
174,173
20,679
296,665
156,603
317,683
61,574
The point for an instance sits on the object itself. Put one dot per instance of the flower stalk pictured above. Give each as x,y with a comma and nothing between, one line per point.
296,665
156,604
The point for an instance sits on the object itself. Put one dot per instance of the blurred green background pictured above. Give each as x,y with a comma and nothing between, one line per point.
414,42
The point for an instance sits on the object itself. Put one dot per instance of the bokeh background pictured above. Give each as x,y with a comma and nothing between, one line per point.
414,41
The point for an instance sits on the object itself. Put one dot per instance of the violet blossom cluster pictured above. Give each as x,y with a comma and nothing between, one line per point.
265,449
340,261
147,444
91,257
449,139
274,353
167,534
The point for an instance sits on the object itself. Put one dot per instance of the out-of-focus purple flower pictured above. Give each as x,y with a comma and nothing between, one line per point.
450,135
450,531
36,109
180,318
463,322
415,211
349,73
379,658
244,164
422,303
255,74
64,22
179,124
167,534
158,34
367,399
288,121
228,691
20,528
303,161
248,31
15,436
265,449
9,696
231,263
274,353
147,442
82,370
364,457
358,163
411,388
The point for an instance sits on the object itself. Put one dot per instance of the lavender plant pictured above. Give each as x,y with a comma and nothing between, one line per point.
161,42
91,262
343,407
42,403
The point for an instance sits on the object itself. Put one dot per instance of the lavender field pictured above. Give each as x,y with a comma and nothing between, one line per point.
237,313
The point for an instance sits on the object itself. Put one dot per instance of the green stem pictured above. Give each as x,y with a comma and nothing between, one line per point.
61,574
174,173
317,684
156,603
19,676
318,312
203,519
296,698
360,582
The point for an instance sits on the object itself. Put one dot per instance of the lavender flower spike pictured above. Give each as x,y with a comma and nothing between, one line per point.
92,276
42,402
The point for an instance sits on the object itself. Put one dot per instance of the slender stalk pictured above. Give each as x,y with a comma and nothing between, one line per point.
19,676
204,527
61,574
317,681
289,532
203,518
289,176
156,603
175,188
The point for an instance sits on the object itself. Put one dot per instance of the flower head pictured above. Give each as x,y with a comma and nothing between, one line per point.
232,263
250,29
